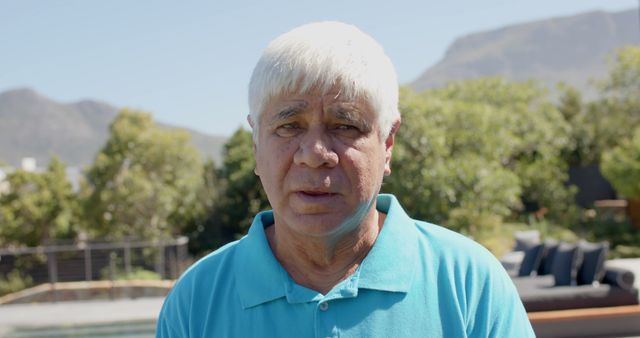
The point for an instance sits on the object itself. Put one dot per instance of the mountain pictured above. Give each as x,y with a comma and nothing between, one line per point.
32,125
573,49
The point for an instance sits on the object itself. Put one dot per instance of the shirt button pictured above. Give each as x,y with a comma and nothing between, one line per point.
324,306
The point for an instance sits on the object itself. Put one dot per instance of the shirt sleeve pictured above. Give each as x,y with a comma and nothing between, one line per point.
499,311
165,330
170,319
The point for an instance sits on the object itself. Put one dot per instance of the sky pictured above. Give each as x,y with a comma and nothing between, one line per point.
189,62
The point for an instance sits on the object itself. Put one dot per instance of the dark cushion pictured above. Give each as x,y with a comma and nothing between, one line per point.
593,256
531,260
619,277
565,263
546,262
526,239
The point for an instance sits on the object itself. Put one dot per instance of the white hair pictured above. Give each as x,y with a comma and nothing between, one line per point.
319,56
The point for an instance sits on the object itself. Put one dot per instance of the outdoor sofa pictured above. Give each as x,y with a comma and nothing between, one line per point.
554,275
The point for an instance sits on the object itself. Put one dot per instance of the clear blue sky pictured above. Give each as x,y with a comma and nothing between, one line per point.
189,62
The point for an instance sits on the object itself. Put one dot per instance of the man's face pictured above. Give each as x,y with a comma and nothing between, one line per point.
321,161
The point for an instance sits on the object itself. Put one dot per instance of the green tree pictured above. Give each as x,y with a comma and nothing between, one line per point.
38,207
583,148
621,162
624,76
208,196
613,117
467,155
621,166
243,189
240,196
143,182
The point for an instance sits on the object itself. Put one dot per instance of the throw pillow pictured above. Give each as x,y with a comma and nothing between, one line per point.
531,260
546,263
593,257
565,263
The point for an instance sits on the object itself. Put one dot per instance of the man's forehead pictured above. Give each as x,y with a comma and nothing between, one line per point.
338,109
333,99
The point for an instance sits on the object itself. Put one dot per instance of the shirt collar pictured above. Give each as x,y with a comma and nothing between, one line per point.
389,266
259,275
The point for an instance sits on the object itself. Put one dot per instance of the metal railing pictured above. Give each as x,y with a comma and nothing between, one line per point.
90,260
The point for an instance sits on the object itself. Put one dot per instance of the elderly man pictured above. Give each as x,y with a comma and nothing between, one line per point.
334,258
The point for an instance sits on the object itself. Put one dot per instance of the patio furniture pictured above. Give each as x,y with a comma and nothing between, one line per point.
553,275
539,293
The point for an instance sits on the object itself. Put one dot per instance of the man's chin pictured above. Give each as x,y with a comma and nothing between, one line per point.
332,217
326,224
317,224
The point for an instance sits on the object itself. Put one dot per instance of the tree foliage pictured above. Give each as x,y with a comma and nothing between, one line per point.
623,82
583,148
602,130
38,207
143,182
469,154
604,123
240,195
621,166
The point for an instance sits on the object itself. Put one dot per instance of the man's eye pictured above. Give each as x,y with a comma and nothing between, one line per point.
346,127
288,129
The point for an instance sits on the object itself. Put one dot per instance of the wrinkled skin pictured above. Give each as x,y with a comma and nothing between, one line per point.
321,160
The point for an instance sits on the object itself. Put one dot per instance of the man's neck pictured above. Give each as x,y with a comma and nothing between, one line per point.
321,263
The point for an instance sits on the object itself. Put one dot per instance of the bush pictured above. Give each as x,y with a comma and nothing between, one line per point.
625,251
14,282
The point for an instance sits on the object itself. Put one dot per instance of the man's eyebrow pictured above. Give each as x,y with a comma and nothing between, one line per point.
289,111
353,117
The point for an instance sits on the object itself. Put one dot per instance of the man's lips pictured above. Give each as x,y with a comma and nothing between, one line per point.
315,195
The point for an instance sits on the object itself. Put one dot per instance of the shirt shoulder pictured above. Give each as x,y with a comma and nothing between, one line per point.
462,263
454,247
483,291
208,273
210,278
217,261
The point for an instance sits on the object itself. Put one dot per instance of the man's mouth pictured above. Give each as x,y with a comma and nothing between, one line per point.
316,193
315,196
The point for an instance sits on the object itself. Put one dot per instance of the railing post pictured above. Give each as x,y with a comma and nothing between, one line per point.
113,256
160,260
173,263
112,272
88,268
52,265
181,247
127,258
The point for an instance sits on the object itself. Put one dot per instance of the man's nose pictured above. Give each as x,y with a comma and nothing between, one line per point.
316,150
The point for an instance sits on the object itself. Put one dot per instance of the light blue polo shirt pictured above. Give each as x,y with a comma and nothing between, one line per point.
418,280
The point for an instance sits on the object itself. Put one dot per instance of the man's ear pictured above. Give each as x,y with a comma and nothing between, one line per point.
250,120
389,146
255,154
